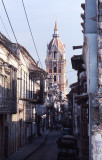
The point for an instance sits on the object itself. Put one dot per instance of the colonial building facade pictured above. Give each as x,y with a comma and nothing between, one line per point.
80,106
21,97
92,55
56,63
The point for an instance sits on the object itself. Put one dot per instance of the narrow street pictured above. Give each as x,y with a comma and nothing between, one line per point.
49,149
51,80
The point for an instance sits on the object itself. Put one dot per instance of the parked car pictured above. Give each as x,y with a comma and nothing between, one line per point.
67,148
59,126
66,154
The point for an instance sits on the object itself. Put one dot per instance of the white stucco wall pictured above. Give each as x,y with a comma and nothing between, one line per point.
91,63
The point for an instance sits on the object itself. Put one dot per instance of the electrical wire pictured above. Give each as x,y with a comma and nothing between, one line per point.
13,29
15,35
9,21
5,27
31,32
70,71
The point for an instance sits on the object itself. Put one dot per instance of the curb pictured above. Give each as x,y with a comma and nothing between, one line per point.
37,147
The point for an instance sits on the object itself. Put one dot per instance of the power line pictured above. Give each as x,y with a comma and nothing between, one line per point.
9,21
5,27
70,71
11,26
12,29
31,32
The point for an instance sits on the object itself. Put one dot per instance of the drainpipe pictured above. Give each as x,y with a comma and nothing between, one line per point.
73,114
90,126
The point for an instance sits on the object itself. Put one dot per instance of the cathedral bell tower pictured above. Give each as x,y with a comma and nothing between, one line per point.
56,62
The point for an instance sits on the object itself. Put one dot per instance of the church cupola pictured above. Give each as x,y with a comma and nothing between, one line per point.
56,43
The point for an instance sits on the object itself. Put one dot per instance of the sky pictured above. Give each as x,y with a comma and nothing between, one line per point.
42,15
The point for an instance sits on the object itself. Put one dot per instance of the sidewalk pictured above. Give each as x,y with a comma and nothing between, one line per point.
24,152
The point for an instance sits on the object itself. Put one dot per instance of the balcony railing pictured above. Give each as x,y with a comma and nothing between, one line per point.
36,98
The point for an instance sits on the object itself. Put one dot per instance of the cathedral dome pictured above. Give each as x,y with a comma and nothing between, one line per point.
56,42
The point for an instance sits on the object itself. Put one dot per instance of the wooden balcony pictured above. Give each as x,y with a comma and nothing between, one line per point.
8,89
77,63
35,98
8,106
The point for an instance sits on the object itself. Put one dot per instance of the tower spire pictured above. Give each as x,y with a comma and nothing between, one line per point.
56,29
